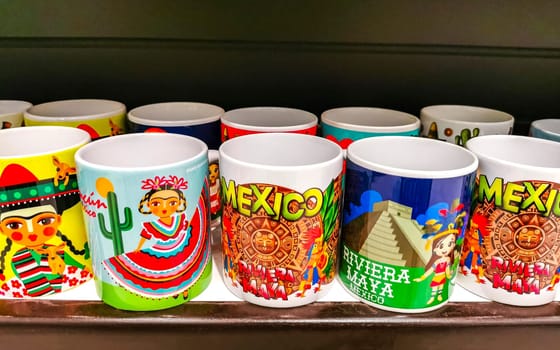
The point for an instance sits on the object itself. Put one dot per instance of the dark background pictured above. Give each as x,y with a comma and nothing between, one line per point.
312,55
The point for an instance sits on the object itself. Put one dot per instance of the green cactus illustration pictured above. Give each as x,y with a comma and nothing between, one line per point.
105,189
466,135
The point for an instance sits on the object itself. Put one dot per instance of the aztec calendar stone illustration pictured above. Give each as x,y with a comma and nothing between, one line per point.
527,237
270,241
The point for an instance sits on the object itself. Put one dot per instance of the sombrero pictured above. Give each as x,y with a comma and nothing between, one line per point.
19,187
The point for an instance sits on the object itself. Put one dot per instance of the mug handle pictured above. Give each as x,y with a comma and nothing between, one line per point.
213,156
214,181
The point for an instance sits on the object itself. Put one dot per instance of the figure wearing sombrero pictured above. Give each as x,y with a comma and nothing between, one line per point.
30,216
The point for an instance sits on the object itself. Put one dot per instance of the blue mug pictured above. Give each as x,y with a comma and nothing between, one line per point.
406,208
199,120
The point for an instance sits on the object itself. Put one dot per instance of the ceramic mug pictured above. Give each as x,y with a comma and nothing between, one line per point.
457,123
11,113
145,197
545,129
405,214
200,120
43,245
100,118
252,120
280,223
347,124
512,249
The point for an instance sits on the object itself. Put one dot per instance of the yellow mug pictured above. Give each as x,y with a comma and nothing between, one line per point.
100,118
43,244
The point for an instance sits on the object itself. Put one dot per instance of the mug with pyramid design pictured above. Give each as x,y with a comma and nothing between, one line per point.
404,220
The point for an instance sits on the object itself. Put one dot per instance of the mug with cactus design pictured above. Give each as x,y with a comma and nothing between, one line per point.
458,124
146,206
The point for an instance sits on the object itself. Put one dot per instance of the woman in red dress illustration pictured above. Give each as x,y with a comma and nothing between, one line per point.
179,253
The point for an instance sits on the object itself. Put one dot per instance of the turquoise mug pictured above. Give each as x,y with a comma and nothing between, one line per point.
345,125
145,197
546,129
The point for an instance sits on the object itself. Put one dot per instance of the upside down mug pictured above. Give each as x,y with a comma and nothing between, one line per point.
280,224
145,198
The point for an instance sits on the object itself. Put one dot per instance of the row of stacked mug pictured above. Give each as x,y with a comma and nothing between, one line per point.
405,199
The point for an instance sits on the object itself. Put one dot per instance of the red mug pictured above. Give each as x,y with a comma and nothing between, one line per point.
255,120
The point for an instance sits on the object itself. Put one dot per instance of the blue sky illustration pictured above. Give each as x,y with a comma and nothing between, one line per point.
370,197
367,200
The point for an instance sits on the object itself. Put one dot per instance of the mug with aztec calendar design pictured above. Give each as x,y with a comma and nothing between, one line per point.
282,196
512,248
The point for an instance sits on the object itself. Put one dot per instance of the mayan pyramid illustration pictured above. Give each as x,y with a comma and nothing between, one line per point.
388,235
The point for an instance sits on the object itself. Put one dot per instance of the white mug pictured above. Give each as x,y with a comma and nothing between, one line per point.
457,123
281,196
11,113
511,252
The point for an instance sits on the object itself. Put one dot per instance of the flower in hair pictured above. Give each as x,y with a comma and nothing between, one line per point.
177,183
154,184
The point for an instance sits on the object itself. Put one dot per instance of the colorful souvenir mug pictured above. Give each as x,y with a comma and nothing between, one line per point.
347,124
457,124
512,249
406,208
546,129
253,120
200,120
145,197
100,118
43,245
11,113
280,224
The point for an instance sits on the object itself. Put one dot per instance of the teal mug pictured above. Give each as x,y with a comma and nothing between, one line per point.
546,129
347,124
145,197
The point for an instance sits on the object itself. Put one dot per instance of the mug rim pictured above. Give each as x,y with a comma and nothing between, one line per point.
357,149
58,133
225,151
84,158
11,107
57,111
160,108
308,119
542,125
335,117
486,144
441,113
